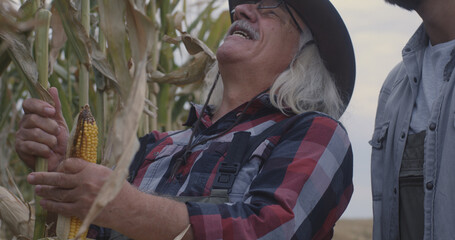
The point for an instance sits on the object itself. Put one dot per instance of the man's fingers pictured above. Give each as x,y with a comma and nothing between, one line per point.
54,193
36,135
57,207
48,125
37,106
72,165
53,179
32,148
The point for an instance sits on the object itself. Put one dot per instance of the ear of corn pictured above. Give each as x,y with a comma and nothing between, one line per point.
86,137
83,145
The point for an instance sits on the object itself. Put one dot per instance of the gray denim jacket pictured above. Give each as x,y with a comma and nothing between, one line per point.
393,117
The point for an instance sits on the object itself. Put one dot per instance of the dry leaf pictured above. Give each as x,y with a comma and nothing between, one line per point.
102,65
74,30
16,214
19,50
113,26
173,40
179,16
191,73
58,38
182,234
195,46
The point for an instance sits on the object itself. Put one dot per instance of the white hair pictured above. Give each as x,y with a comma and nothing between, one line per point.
305,86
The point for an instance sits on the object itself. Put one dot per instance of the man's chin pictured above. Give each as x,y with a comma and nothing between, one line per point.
406,4
233,48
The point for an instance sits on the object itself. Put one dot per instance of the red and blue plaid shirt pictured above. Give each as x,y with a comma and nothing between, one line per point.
295,185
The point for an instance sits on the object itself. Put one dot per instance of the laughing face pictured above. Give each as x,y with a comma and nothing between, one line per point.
262,39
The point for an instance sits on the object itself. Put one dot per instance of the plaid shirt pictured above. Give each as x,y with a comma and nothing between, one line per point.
295,185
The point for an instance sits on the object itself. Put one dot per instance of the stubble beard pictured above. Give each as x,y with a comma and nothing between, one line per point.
406,4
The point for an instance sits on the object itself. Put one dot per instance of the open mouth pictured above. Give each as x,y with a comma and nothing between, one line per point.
243,30
241,34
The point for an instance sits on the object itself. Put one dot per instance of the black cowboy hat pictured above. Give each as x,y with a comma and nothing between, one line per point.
331,36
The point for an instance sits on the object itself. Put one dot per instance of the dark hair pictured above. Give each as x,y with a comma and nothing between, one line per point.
406,4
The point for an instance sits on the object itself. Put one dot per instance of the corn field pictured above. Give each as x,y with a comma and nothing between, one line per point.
135,62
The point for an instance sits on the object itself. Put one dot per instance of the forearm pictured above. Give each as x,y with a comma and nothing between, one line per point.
143,216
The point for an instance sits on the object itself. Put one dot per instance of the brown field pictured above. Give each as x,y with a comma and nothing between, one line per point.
345,229
353,229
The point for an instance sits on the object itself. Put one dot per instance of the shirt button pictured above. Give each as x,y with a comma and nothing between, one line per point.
432,126
403,135
415,80
395,190
178,176
430,185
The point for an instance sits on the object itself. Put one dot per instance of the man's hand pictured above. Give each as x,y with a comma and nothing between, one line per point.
42,132
72,189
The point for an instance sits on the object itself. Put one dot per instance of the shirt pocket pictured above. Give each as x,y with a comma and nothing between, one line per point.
377,161
379,136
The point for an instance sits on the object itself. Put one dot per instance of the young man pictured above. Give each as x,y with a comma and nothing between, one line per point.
268,161
413,141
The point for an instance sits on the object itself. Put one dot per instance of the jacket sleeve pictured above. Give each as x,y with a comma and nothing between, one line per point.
300,192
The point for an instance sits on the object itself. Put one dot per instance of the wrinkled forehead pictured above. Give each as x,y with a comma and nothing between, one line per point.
267,3
286,9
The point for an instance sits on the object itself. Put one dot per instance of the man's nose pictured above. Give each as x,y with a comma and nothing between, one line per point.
246,11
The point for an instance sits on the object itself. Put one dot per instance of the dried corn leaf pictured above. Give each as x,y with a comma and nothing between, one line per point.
74,30
122,142
140,31
195,46
182,234
193,72
19,51
16,214
179,17
173,40
113,26
27,10
58,38
102,65
25,22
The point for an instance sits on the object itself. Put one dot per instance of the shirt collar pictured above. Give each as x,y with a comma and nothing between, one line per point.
418,41
263,100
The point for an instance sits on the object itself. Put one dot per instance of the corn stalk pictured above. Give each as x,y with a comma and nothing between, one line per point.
137,53
43,18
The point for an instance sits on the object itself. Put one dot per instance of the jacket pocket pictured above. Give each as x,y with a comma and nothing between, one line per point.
379,135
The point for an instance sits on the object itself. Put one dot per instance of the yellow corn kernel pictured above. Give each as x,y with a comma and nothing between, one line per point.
74,228
84,146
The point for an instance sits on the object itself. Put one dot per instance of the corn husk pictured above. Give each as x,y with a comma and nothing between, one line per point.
16,214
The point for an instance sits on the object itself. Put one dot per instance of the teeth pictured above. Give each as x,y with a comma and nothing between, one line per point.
241,34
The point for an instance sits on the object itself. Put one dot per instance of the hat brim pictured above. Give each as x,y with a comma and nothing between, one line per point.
332,38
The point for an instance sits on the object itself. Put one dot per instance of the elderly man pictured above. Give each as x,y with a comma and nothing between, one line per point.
414,137
269,160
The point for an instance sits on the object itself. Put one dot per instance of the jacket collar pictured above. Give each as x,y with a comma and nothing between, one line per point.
419,41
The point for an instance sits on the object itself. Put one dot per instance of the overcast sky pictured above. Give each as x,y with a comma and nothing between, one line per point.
379,32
